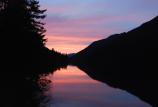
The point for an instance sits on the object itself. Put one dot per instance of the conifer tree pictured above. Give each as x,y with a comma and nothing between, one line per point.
22,19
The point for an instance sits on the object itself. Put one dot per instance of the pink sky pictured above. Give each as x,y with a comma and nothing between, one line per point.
71,87
73,24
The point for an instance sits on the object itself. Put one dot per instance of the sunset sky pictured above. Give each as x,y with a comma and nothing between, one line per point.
73,24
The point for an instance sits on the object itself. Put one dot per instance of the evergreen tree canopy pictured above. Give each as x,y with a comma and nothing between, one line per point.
21,20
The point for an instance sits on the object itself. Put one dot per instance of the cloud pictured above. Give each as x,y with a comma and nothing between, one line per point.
93,18
69,43
72,35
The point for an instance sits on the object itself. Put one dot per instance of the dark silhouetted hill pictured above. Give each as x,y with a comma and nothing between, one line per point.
127,61
71,55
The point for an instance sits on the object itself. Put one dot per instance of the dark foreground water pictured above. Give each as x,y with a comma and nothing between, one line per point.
72,87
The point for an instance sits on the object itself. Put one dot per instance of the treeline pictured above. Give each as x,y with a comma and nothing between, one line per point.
23,52
22,34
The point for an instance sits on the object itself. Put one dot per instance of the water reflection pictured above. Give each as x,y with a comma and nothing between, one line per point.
71,87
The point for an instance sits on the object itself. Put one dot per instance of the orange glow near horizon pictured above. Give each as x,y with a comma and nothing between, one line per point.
66,48
69,44
72,25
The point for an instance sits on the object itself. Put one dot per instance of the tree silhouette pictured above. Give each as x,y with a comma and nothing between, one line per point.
22,31
23,51
22,18
34,16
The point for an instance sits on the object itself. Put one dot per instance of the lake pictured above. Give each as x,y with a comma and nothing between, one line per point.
71,87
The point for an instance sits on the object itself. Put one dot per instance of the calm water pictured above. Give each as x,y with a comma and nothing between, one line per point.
71,87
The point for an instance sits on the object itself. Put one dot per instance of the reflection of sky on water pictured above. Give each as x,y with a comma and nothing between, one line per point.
73,88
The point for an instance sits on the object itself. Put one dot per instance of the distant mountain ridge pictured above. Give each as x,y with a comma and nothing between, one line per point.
127,61
135,45
145,29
